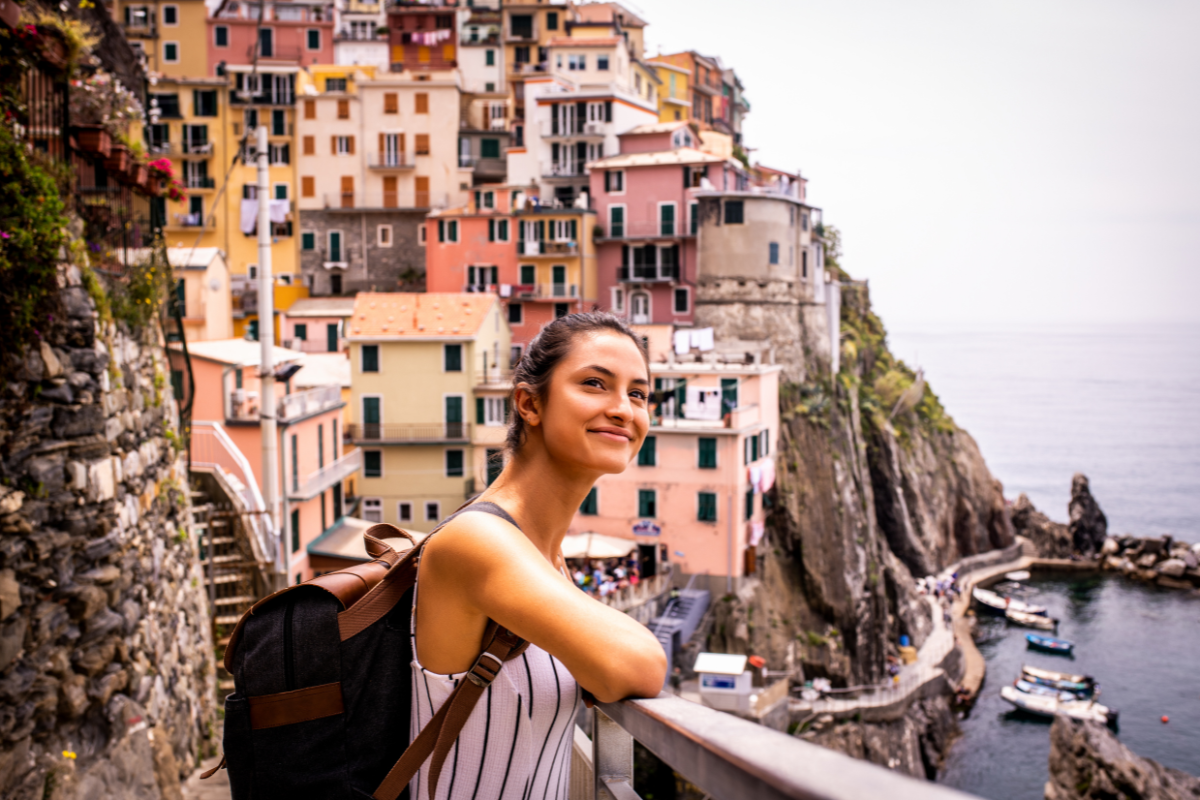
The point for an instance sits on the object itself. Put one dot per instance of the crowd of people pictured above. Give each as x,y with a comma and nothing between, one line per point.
600,578
944,590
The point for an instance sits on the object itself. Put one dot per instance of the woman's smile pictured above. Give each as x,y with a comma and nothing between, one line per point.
613,434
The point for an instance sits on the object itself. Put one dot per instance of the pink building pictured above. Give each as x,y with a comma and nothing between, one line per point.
646,208
316,324
294,32
312,463
703,477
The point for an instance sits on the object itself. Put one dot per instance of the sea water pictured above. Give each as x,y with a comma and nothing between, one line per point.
1121,404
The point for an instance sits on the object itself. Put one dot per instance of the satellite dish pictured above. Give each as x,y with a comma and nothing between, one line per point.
214,285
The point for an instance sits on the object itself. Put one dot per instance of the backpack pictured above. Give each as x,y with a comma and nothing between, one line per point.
322,678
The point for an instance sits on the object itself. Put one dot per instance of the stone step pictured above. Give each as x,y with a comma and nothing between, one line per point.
241,599
227,619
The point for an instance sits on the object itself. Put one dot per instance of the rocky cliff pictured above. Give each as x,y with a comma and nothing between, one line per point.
106,660
876,485
1087,762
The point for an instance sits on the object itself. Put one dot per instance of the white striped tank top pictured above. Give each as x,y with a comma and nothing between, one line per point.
517,742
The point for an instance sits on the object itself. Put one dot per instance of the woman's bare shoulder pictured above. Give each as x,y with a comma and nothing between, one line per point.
477,540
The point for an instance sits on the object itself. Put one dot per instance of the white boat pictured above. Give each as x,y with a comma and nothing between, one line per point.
1048,706
996,604
1018,575
1030,620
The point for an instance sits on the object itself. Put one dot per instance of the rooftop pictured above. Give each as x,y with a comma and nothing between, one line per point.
682,155
412,315
323,369
241,352
322,307
604,12
345,540
599,41
181,257
657,127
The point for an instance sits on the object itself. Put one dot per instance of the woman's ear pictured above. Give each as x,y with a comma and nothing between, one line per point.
527,404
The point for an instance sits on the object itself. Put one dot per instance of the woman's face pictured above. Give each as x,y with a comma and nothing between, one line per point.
595,412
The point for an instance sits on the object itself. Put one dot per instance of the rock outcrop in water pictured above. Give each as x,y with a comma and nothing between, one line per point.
1088,525
1087,762
875,485
1052,539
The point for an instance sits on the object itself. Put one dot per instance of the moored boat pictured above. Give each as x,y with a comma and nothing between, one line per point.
1031,620
1059,680
1047,706
1018,575
1049,644
994,603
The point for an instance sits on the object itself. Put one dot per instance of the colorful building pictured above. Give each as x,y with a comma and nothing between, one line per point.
645,200
706,82
674,94
429,382
526,29
316,324
361,34
202,292
424,35
701,482
312,463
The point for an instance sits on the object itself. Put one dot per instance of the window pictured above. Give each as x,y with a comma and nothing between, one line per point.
514,354
335,284
734,212
577,62
490,86
343,145
343,107
491,411
204,103
694,217
614,181
313,42
764,443
370,358
421,103
706,506
528,275
452,358
521,26
266,42
773,253
750,502
295,530
489,58
561,310
647,503
391,103
489,148
383,236
707,453
404,512
295,465
300,331
279,122
422,144
618,301
454,463
602,63
497,229
421,235
432,512
308,188
804,264
171,52
281,191
221,36
334,254
648,455
310,145
516,315
521,54
168,105
252,330
729,395
666,219
552,21
590,505
372,509
750,446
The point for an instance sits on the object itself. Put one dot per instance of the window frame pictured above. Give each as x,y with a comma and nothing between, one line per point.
716,450
462,466
686,293
174,8
648,453
220,32
362,360
341,246
700,497
372,452
437,510
740,205
519,308
773,254
168,44
308,37
400,508
623,208
379,235
372,504
662,206
652,494
446,349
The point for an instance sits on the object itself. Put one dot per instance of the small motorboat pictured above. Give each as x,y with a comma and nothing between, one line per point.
1047,706
993,603
1049,644
1030,620
1046,691
1060,680
1018,575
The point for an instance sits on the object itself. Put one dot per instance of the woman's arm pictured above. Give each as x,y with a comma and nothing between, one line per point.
479,567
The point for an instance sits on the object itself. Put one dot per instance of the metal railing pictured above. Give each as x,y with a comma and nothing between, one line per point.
553,291
374,200
402,433
401,159
313,401
211,448
532,247
727,757
646,229
199,182
322,479
638,594
576,129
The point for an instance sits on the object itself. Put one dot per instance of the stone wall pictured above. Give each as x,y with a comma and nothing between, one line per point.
106,658
400,267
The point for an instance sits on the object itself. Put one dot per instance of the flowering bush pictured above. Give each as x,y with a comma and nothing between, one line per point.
100,98
176,192
161,168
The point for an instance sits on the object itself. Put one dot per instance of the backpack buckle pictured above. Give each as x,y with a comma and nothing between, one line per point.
482,674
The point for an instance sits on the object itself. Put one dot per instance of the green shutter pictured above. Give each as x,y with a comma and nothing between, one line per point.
295,530
647,503
648,455
589,506
478,410
708,453
491,230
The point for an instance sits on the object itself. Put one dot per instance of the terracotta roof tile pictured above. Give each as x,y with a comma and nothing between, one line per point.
379,315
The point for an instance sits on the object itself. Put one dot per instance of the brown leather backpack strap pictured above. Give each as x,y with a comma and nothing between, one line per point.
438,736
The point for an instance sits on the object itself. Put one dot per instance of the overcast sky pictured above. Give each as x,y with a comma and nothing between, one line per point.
991,162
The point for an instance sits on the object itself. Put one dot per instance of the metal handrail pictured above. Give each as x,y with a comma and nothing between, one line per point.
321,479
730,758
213,449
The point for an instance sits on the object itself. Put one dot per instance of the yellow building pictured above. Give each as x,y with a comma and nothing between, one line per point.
556,258
674,96
429,385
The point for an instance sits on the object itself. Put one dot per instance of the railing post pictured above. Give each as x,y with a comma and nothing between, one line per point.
612,758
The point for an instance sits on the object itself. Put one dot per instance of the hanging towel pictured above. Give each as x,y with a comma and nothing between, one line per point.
682,343
755,478
702,403
757,529
702,339
279,210
768,475
505,290
249,215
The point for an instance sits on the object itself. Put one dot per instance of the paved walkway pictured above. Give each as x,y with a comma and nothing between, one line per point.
215,788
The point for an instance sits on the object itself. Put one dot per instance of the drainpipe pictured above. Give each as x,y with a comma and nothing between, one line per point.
729,520
266,337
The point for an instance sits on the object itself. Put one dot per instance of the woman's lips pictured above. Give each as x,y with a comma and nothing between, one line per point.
615,437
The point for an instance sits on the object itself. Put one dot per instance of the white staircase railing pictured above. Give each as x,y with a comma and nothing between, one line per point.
211,448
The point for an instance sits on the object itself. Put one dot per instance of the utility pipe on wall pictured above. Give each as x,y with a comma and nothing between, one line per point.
266,338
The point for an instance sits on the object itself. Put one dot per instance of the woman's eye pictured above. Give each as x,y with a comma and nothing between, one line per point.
638,393
599,384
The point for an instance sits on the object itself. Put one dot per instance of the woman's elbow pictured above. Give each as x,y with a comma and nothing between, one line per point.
642,675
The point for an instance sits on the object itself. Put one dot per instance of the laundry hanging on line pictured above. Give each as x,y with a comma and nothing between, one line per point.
277,209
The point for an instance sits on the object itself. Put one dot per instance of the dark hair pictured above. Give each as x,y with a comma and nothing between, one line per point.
549,348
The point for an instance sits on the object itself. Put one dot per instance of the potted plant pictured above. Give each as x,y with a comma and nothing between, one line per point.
93,138
117,159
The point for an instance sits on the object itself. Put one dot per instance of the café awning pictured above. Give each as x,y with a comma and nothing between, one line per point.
596,545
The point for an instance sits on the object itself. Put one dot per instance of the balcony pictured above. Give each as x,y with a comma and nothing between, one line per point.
494,377
374,201
648,273
527,68
430,433
191,221
521,34
490,35
398,160
360,35
304,404
547,291
199,182
725,757
644,229
563,170
530,247
578,129
322,479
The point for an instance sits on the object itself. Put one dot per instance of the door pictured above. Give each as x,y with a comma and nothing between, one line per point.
559,274
454,417
391,150
331,337
648,561
390,195
335,247
371,426
347,191
639,306
495,465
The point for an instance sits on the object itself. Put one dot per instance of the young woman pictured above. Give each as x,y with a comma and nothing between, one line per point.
579,411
